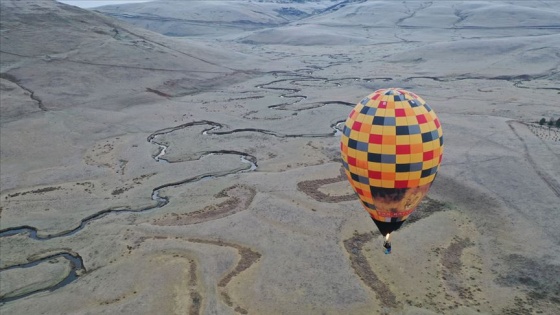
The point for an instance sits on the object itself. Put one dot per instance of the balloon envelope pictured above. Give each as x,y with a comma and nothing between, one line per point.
391,145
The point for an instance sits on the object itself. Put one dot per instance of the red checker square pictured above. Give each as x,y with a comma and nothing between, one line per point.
436,121
382,104
352,161
359,191
403,149
376,96
440,157
400,112
421,119
357,126
377,139
428,155
401,184
374,174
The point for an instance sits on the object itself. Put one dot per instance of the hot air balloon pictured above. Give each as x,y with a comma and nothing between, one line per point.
391,146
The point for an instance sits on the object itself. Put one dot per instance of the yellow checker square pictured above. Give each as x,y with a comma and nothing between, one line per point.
352,152
416,157
375,182
401,176
363,136
401,121
369,103
389,112
361,155
368,120
411,120
375,148
360,117
354,134
403,158
415,139
419,110
403,139
373,166
414,175
429,164
425,128
388,149
388,170
389,131
434,143
428,146
431,125
401,104
376,129
361,171
388,184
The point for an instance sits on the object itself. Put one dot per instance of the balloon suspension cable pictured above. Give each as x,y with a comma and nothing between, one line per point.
387,244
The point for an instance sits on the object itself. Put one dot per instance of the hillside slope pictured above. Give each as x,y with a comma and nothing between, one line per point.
64,56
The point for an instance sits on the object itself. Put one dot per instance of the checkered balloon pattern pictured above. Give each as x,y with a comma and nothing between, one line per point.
392,145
